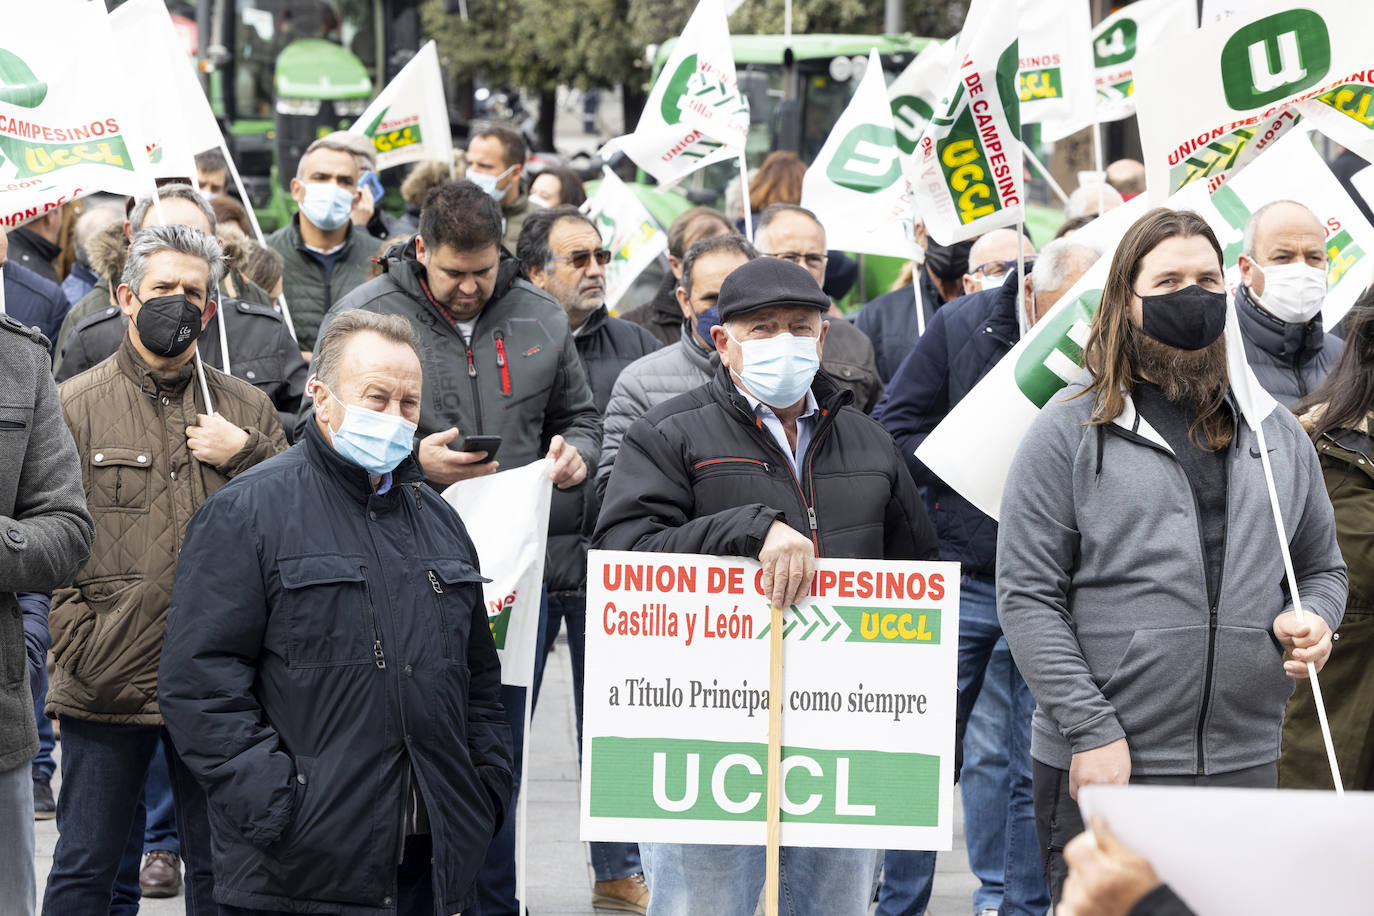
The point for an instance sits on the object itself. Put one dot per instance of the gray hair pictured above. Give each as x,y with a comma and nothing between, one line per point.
330,346
1253,223
330,142
181,239
1084,200
731,241
177,191
1052,265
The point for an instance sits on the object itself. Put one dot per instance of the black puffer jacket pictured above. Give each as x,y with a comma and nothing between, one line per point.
698,474
963,341
325,646
1290,360
606,346
890,322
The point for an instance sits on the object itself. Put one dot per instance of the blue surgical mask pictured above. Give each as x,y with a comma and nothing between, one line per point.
778,370
375,441
326,205
488,183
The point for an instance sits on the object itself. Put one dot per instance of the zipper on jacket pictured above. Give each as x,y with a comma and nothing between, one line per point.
1215,604
501,362
378,658
434,582
472,377
768,468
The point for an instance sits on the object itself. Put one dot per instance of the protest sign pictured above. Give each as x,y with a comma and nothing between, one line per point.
1056,68
408,121
146,24
507,517
62,133
1222,852
1117,43
1346,114
856,185
628,230
675,726
920,89
695,115
966,169
1203,121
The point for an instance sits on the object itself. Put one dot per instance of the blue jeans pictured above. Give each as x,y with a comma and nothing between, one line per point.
687,880
161,831
908,875
496,880
610,861
984,780
18,886
100,822
43,765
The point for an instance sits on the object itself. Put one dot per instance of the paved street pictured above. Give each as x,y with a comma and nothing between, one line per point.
560,879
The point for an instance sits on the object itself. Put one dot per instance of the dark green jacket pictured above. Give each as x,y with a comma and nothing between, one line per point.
310,289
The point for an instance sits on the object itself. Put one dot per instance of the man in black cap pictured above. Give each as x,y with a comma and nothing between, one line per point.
768,461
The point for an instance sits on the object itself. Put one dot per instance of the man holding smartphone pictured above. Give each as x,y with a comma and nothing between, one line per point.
499,359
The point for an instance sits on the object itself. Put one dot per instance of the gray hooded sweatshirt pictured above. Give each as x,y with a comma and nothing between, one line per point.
1102,590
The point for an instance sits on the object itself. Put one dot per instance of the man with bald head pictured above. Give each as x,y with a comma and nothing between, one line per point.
963,342
993,258
1127,176
1279,300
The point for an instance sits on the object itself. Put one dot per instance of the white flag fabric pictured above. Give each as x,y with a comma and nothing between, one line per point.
1117,43
63,131
507,517
628,230
1055,48
147,26
1346,114
408,121
695,114
967,166
856,185
1202,121
1217,10
919,90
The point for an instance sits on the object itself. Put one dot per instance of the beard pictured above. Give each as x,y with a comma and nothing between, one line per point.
1193,379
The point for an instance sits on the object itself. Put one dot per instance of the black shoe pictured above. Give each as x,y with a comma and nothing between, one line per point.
44,808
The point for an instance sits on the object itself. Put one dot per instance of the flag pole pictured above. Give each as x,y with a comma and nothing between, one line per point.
773,855
744,184
257,229
1099,158
1045,174
2,291
1022,321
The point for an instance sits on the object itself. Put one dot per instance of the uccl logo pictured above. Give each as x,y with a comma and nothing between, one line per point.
1275,57
18,84
1117,45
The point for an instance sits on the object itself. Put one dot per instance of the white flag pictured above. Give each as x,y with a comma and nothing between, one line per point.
1055,48
1346,114
66,121
1217,10
1117,43
507,517
408,121
695,114
967,166
856,185
919,90
1200,122
627,229
147,26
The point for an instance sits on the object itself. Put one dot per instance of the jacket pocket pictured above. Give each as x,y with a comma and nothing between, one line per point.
709,467
457,591
103,604
1249,693
120,479
1156,688
329,617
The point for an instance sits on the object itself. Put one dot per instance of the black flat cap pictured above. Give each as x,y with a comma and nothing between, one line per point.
766,282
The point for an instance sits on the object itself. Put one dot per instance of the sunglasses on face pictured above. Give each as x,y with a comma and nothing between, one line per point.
579,259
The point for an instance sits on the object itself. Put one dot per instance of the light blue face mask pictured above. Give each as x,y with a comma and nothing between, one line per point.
375,441
326,205
778,370
488,183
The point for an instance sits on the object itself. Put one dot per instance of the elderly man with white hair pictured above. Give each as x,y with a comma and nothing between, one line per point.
963,342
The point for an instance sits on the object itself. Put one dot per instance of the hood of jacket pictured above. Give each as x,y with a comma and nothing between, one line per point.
401,263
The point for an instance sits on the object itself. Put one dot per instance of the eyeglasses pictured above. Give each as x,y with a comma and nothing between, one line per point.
813,261
998,268
579,259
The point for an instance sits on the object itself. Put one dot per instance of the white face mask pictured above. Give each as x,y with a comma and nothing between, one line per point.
1293,293
986,282
778,370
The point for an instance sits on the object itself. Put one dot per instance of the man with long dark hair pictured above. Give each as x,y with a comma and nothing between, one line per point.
1139,580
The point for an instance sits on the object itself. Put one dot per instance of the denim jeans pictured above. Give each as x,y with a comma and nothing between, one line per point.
17,877
983,781
610,861
687,880
496,880
908,875
100,822
161,830
43,764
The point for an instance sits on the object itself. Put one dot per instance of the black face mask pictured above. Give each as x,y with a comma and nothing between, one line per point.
1187,319
948,262
168,325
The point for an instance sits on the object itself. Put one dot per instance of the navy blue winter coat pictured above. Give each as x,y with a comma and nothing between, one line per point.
963,341
35,300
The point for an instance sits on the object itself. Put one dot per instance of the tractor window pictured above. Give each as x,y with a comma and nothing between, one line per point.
262,28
